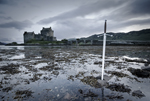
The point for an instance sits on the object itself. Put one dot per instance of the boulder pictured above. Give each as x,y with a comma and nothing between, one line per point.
1,59
138,93
146,68
118,87
92,81
139,73
139,60
102,82
97,62
90,94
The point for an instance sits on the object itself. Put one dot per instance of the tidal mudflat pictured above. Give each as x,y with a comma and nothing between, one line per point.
74,73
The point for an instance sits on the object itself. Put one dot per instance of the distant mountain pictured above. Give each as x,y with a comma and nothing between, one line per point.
71,39
143,35
1,43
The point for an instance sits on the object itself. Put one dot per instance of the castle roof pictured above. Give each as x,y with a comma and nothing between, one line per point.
47,29
28,32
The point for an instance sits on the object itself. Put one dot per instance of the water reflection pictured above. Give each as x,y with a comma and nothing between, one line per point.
31,52
103,99
46,73
38,53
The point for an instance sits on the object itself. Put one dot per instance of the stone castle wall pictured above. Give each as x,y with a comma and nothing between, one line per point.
38,37
28,36
47,34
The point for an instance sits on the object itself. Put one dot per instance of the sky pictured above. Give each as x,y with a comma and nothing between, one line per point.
71,18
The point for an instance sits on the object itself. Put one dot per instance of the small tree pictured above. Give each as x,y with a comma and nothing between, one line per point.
14,43
65,41
78,40
42,39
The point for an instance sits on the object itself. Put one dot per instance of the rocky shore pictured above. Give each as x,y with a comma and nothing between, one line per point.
74,73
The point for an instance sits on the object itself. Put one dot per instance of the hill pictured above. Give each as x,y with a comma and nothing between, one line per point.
142,35
1,43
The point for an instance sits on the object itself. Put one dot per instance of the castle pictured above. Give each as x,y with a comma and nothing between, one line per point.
47,34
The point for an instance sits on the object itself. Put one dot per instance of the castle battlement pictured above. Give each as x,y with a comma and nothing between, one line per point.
47,34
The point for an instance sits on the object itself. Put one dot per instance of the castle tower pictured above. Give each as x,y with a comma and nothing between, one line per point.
47,32
28,36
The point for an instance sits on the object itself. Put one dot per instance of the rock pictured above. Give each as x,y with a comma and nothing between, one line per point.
55,73
24,92
105,78
67,96
10,69
138,93
98,77
136,60
102,82
146,64
118,87
115,96
128,59
92,81
7,89
1,86
97,62
119,74
80,91
110,61
90,94
139,72
146,68
129,100
71,77
1,59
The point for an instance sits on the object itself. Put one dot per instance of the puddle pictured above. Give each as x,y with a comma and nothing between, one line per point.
74,73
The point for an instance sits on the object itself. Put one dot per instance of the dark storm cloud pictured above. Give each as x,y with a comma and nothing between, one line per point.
136,22
133,9
4,2
5,39
7,2
76,28
139,7
2,12
17,24
130,9
83,10
5,18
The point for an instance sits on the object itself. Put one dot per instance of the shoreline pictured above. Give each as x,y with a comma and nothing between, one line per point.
83,45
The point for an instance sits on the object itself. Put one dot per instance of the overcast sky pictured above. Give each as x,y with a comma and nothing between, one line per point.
71,18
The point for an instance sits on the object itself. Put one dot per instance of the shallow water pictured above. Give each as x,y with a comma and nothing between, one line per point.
69,73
